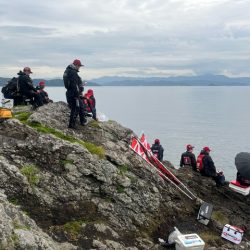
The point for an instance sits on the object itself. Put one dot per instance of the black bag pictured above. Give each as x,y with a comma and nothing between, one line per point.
11,89
66,79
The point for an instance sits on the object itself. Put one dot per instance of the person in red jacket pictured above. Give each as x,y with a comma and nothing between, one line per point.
90,103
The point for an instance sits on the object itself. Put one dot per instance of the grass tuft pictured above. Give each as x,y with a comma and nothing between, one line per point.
73,229
31,173
23,116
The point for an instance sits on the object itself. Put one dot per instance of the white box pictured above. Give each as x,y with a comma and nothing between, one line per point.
7,103
232,233
234,185
189,242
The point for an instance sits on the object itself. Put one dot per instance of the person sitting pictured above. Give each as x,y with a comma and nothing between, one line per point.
27,88
157,150
44,95
220,179
188,158
208,168
242,180
90,103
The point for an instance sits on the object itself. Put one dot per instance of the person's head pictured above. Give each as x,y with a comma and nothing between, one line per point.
27,70
41,85
90,92
206,149
77,64
189,147
157,141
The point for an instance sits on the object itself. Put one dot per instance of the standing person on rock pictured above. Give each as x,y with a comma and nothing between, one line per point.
157,150
74,85
188,158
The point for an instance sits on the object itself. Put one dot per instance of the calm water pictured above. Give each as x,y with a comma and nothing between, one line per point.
217,117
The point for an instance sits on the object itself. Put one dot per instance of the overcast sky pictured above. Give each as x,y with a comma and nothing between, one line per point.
125,37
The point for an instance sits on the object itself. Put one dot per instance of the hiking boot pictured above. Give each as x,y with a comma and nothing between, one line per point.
72,126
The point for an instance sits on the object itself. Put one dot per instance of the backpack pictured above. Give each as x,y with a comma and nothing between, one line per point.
11,89
199,162
66,79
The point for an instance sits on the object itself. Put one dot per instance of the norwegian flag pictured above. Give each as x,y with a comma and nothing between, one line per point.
137,147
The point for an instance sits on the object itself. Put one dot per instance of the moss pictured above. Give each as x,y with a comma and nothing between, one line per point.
73,228
209,236
22,116
220,217
123,169
14,201
16,225
31,173
120,189
92,148
14,238
94,124
64,162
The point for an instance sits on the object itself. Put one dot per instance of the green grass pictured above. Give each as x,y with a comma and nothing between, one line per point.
220,217
31,173
120,189
94,124
123,169
64,162
73,229
22,116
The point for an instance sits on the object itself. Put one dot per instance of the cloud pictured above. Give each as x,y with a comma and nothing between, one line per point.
151,37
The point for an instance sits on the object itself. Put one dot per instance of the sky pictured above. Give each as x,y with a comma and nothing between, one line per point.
125,37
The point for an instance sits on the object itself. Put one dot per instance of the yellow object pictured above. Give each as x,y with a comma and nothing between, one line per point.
5,113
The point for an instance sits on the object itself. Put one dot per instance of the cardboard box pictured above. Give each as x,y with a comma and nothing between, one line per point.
232,233
189,242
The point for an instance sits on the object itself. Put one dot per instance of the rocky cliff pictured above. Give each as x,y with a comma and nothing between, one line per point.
86,189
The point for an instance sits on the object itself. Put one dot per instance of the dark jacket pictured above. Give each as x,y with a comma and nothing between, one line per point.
242,180
208,166
25,83
75,84
188,158
158,150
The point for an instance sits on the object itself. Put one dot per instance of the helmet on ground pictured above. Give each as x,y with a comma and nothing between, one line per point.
157,141
189,147
77,62
206,149
27,69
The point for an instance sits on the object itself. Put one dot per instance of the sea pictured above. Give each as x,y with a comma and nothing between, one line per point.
213,116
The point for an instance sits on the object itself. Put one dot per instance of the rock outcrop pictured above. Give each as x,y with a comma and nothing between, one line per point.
86,189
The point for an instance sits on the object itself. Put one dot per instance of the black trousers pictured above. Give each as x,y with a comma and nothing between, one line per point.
76,108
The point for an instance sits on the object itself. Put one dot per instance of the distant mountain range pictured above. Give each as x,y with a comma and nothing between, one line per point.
202,80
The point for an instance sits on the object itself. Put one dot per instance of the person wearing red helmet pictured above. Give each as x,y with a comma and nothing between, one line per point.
208,167
188,158
157,150
44,95
90,102
27,89
74,85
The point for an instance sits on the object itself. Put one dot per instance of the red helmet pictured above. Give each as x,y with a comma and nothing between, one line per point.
27,69
157,141
90,92
206,149
189,147
77,62
42,83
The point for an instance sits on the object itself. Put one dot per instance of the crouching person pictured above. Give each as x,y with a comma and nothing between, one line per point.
44,95
90,103
27,88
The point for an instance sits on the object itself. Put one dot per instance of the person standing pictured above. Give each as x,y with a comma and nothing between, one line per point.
74,85
157,150
188,158
27,88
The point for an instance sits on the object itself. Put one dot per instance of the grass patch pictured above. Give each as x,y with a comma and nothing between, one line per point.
16,225
73,228
209,236
23,116
31,173
123,169
92,148
94,124
220,217
120,189
14,201
64,162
